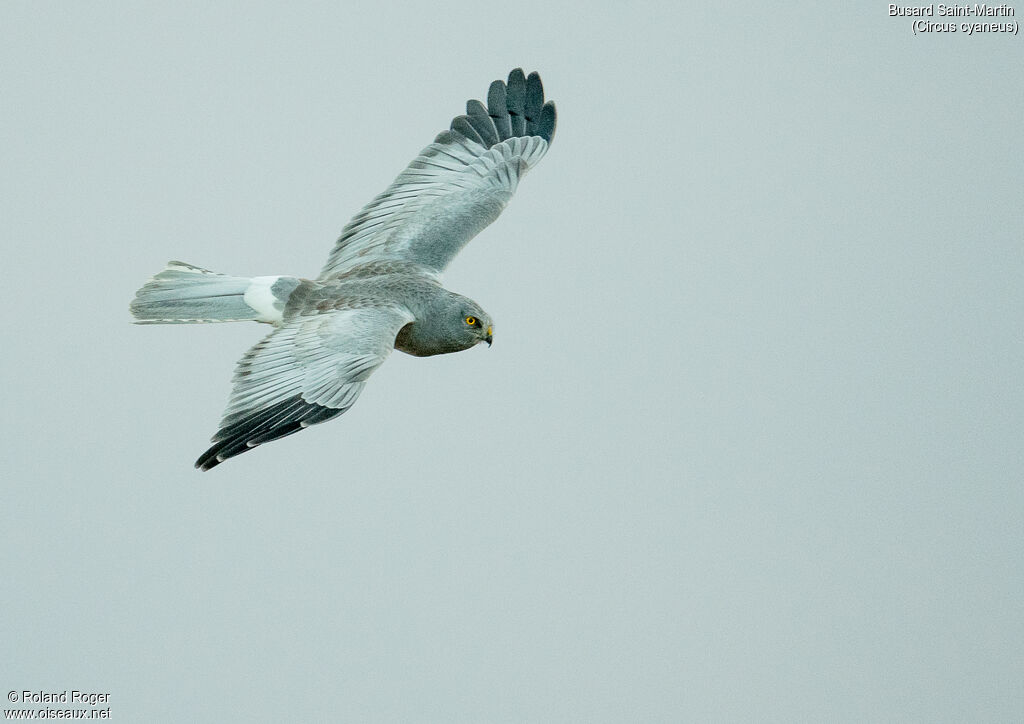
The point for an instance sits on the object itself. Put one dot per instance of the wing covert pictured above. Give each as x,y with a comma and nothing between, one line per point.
458,184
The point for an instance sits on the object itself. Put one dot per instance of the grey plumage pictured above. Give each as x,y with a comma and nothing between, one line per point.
185,294
380,288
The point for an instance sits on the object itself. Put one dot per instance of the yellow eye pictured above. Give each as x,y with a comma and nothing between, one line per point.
471,321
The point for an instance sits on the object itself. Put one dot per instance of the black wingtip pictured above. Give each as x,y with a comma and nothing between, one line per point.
482,123
205,463
208,460
516,108
548,122
279,420
515,101
463,125
497,109
517,78
534,102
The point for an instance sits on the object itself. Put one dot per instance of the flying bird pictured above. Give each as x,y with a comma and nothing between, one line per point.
381,286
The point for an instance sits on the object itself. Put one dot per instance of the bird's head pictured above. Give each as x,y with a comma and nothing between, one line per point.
474,325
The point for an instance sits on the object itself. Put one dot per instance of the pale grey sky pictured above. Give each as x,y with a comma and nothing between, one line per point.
747,446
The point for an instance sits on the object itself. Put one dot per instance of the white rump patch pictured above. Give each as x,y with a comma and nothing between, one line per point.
260,297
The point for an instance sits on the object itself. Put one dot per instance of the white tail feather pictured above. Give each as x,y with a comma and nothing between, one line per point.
186,294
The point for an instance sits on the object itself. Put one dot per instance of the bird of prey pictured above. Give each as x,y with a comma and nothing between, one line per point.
381,286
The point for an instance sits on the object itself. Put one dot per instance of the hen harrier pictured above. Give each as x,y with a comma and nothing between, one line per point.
381,286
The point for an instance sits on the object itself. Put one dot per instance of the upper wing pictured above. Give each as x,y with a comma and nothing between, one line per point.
306,372
457,185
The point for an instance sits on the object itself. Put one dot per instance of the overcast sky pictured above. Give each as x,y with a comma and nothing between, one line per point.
747,446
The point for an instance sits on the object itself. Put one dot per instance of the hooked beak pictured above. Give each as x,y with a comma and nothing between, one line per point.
490,335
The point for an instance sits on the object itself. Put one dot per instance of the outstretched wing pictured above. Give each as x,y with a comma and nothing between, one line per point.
457,185
304,373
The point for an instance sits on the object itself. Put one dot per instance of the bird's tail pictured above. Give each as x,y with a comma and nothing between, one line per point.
184,294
